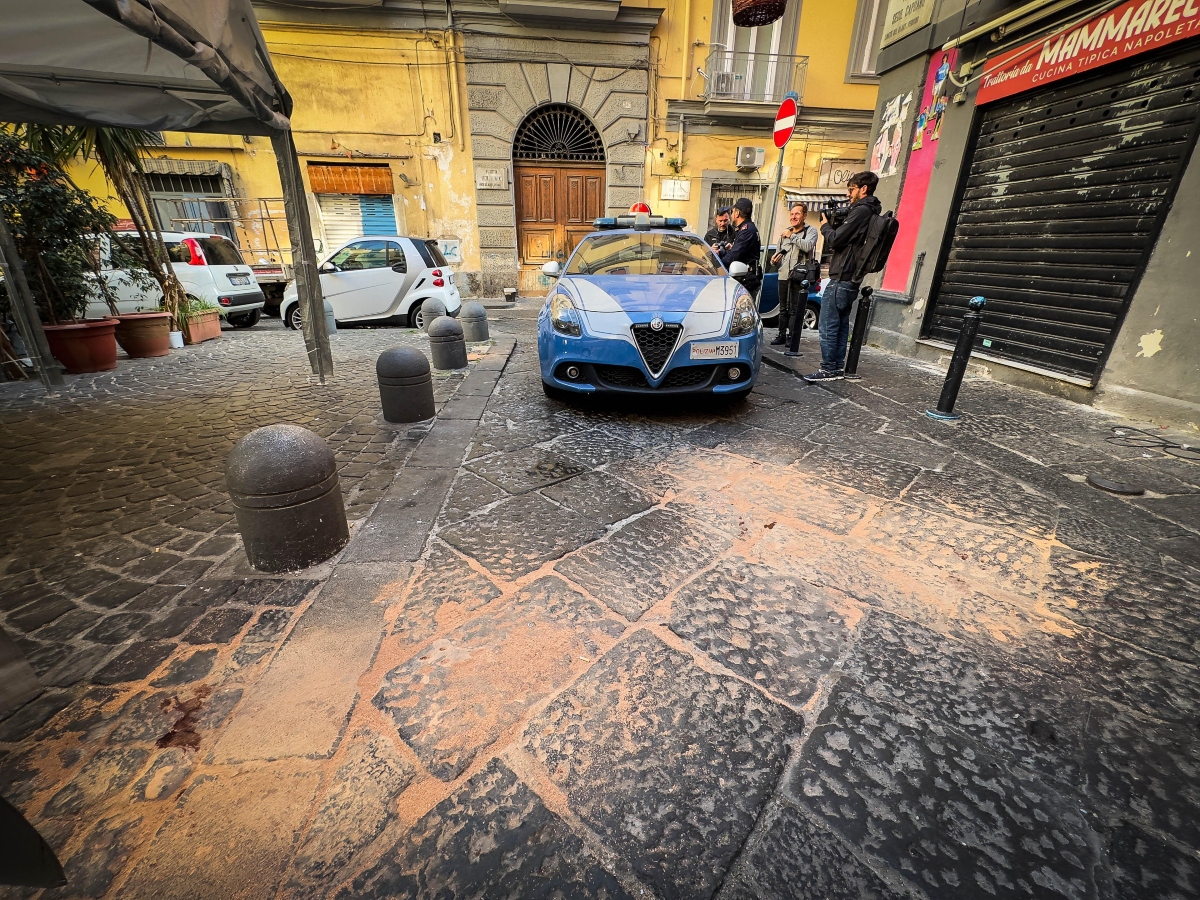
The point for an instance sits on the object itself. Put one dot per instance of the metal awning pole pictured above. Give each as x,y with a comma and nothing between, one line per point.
304,256
25,312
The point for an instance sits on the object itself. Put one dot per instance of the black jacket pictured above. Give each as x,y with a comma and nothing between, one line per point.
846,240
747,248
715,235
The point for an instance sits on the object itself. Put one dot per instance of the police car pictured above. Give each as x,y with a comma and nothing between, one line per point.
644,307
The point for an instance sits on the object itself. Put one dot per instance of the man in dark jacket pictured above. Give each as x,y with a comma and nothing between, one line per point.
747,246
720,236
846,241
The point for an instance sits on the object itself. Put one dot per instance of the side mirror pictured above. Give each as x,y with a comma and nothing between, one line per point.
552,268
327,267
738,268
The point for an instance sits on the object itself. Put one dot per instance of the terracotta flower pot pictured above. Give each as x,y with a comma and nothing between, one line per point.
202,326
85,346
146,334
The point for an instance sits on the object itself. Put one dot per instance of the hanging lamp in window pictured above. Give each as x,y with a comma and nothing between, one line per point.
752,13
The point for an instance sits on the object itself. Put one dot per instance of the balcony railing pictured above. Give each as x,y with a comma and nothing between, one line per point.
739,77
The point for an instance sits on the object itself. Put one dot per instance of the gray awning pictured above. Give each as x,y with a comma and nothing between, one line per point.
813,196
156,65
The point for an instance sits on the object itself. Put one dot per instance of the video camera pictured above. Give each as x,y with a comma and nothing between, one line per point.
835,211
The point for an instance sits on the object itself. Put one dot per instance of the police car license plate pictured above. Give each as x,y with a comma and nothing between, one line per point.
725,350
239,279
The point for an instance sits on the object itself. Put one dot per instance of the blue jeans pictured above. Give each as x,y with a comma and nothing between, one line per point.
834,324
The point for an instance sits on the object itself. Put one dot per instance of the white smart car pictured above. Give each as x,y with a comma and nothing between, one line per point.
376,278
208,266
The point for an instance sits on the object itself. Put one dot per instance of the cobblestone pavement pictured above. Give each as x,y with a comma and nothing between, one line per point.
815,646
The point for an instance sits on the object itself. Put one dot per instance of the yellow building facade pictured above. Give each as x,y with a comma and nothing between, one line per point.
500,128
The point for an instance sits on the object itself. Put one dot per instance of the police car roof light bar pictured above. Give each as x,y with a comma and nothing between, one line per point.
640,222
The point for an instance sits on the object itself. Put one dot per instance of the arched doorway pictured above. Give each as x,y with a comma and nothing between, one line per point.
558,170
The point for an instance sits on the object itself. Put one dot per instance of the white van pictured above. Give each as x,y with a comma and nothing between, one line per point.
208,267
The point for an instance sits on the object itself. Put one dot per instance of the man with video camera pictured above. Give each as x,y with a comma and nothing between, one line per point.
845,231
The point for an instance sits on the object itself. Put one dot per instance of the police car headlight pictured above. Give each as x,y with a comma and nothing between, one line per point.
745,317
563,316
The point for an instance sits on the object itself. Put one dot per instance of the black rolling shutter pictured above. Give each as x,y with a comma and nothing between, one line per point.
1060,207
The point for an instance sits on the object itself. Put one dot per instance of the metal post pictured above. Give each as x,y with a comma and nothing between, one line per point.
304,256
859,334
770,220
958,362
25,312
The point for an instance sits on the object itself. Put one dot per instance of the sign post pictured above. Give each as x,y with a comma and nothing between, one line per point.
785,126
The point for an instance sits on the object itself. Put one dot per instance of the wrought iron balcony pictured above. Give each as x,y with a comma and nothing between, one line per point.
739,78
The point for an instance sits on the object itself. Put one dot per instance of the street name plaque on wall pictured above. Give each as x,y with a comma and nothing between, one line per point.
491,179
904,17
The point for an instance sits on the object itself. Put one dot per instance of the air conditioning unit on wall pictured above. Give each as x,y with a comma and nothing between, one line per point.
751,158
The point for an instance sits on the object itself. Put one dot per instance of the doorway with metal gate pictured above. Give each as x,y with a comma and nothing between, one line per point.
558,172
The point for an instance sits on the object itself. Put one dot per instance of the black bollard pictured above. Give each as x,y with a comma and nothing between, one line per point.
405,385
283,481
474,321
797,323
958,362
446,344
859,334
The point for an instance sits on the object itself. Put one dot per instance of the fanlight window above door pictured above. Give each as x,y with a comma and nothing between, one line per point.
558,133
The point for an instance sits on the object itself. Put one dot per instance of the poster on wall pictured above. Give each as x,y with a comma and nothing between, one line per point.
885,155
926,132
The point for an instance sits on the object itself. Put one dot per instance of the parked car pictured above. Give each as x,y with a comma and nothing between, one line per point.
208,267
644,307
372,279
768,297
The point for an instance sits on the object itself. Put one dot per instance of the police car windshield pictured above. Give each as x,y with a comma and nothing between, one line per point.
643,253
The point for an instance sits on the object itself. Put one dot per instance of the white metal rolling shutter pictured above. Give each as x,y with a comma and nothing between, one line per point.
341,215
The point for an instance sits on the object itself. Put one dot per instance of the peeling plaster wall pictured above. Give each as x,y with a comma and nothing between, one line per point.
1154,367
500,94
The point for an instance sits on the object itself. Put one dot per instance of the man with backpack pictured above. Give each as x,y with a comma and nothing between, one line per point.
856,243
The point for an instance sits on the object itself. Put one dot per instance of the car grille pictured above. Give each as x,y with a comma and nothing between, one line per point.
622,376
688,376
656,346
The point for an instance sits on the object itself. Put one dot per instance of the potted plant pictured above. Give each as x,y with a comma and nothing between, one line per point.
55,225
142,334
201,320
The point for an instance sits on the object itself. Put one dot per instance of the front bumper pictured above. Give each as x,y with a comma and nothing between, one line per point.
615,367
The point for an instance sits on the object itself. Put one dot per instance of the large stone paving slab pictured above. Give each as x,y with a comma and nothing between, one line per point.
669,764
465,689
521,535
492,838
600,497
978,494
774,630
525,470
639,565
941,810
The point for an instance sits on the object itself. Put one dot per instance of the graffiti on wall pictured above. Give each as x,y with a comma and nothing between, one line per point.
885,155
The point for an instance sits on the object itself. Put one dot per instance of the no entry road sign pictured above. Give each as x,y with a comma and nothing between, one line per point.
785,122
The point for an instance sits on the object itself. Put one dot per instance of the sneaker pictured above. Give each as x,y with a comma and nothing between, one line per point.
780,339
792,353
822,375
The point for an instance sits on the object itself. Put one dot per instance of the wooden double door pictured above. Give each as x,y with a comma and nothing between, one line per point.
556,206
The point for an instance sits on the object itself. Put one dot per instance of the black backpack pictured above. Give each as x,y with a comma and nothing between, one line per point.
881,234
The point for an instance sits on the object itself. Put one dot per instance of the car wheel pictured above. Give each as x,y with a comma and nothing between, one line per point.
812,315
416,316
294,321
555,393
244,320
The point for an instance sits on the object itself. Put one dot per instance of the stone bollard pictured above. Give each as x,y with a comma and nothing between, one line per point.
330,321
284,484
474,322
431,310
446,344
405,385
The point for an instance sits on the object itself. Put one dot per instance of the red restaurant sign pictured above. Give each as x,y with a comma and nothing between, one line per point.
1132,28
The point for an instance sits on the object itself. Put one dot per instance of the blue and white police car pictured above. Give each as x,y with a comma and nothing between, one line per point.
644,307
